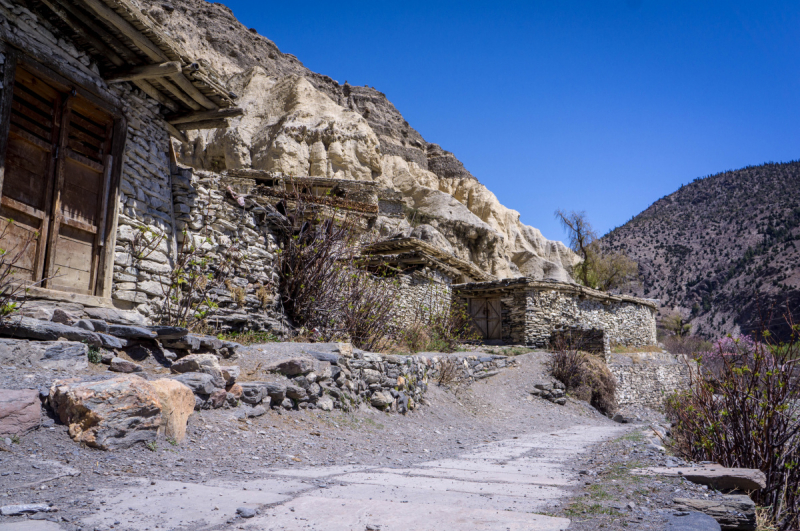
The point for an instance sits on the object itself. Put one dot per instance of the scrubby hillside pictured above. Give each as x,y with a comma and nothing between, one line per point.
302,123
723,250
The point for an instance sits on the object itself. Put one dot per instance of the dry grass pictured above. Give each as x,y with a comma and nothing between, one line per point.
622,349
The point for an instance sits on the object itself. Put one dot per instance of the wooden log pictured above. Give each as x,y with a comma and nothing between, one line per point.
126,28
179,94
177,134
206,115
193,92
145,71
151,91
205,124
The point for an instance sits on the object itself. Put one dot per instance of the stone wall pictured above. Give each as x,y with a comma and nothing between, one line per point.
647,378
145,209
207,212
421,293
624,323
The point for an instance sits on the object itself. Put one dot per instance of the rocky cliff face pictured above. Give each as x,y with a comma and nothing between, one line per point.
302,123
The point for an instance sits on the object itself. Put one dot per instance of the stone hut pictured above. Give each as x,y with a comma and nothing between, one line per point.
537,313
93,94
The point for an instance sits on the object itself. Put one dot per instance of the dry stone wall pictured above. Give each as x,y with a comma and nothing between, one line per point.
207,212
420,293
624,323
647,378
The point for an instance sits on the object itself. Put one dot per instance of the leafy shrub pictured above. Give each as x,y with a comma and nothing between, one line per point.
585,376
743,410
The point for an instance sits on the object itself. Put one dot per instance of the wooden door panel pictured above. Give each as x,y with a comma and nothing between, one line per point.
73,260
82,188
15,236
26,172
494,322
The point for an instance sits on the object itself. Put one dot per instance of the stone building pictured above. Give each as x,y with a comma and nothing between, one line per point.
536,312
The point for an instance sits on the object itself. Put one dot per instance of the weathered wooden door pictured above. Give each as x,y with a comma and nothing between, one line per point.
486,313
55,184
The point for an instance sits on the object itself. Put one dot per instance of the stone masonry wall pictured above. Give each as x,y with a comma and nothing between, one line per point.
216,222
647,378
422,292
624,323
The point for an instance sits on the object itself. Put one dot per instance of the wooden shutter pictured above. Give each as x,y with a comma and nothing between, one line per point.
29,168
81,197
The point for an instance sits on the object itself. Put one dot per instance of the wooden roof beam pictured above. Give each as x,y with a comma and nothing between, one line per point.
155,71
87,32
204,124
154,93
193,92
126,28
205,115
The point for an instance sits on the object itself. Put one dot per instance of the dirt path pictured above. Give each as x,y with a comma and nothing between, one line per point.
489,456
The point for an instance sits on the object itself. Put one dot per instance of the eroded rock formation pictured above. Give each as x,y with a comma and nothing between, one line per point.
301,123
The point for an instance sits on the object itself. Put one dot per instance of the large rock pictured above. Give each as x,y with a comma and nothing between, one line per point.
200,383
108,414
131,332
293,366
381,400
20,411
177,403
125,366
734,512
28,328
63,355
717,476
205,363
128,317
252,392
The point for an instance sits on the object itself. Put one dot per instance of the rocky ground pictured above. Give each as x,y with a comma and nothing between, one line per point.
479,420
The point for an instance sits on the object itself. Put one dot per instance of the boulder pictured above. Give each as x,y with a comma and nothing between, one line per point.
296,393
381,400
252,392
372,376
205,363
325,403
111,342
108,414
20,411
330,357
177,403
236,391
276,391
230,373
733,512
123,365
28,508
217,399
200,383
187,342
293,367
717,476
29,328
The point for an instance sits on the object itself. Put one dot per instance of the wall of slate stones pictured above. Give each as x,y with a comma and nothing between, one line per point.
421,293
207,212
624,323
647,378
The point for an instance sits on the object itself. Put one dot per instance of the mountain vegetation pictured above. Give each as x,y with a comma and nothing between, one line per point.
722,251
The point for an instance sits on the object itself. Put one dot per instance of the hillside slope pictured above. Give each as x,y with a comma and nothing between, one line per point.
724,250
302,123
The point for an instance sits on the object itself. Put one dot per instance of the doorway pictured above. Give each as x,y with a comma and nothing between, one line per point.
487,315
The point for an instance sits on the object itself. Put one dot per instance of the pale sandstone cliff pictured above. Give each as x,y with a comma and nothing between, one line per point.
301,123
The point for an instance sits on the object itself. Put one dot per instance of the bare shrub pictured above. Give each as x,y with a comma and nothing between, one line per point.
449,371
13,289
322,290
688,345
585,376
190,287
744,411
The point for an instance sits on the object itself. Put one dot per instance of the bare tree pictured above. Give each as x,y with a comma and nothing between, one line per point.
581,236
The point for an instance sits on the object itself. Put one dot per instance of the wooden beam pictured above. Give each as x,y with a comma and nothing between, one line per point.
126,28
151,91
193,92
85,32
206,115
179,94
144,71
205,124
177,134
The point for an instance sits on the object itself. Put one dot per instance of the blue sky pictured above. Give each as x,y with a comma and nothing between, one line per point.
603,105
